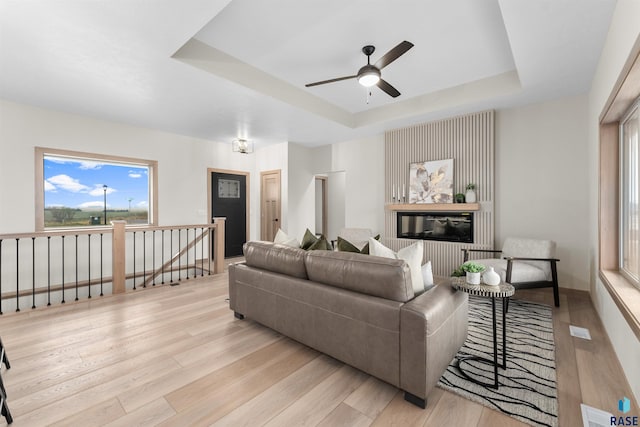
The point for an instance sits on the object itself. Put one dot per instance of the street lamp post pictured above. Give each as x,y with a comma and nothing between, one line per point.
104,187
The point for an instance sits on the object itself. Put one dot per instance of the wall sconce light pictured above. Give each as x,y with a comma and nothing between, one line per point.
242,146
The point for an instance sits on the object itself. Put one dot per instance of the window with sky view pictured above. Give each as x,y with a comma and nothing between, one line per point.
78,192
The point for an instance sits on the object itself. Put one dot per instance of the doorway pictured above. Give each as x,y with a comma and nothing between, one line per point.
321,205
270,204
228,192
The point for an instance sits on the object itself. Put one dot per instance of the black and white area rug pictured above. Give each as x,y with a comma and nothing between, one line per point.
527,389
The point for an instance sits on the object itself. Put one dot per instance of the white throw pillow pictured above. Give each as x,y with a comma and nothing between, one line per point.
427,275
284,239
412,255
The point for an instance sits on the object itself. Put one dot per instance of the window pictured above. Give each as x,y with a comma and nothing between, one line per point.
88,190
629,197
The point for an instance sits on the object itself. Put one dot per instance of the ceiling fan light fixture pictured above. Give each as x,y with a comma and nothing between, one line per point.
368,76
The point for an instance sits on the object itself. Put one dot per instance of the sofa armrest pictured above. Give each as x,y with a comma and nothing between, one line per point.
433,327
466,252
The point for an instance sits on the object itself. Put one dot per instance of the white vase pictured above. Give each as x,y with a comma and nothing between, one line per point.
470,196
473,278
490,277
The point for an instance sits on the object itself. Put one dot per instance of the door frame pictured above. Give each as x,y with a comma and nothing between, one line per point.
262,174
325,199
211,171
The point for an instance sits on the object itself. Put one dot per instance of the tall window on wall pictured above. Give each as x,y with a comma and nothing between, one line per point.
87,190
630,195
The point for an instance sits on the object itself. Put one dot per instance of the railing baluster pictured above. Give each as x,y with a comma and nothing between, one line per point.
134,260
89,263
48,270
144,259
101,277
62,269
210,249
179,255
76,267
195,253
33,273
17,274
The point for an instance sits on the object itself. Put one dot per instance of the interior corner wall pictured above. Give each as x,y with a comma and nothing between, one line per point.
301,191
624,32
541,178
363,163
182,161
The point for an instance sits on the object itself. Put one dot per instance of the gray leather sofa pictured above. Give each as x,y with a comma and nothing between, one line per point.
359,309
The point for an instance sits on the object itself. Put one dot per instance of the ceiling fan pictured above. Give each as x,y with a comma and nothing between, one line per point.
370,75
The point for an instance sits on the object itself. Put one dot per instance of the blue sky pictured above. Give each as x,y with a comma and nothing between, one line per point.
79,184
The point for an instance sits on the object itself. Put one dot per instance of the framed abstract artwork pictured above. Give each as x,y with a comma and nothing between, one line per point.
431,182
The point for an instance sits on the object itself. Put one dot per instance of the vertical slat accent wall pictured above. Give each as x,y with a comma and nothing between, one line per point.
469,141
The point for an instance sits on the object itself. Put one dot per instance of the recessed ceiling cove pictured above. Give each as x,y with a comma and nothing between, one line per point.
303,42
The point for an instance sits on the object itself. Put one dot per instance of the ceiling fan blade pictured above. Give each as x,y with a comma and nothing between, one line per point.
390,90
330,81
393,54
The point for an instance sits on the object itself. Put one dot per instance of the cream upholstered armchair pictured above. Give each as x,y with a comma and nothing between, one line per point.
525,263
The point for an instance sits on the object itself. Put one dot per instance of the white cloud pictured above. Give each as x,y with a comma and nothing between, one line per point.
134,175
98,190
142,204
96,204
49,186
67,183
87,164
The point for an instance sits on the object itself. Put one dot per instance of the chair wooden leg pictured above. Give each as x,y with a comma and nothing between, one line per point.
554,278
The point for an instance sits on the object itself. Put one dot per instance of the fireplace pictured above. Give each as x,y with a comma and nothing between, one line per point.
442,226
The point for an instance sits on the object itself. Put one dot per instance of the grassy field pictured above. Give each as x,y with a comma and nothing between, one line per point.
68,217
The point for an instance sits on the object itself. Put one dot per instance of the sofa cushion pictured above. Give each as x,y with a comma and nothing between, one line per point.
276,257
376,276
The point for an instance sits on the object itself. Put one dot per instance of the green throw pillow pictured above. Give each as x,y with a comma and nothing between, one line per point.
347,246
308,239
320,244
312,243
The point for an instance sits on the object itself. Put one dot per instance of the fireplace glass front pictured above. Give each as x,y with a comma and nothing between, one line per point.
442,226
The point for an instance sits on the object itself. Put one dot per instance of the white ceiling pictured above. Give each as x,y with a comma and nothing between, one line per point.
221,69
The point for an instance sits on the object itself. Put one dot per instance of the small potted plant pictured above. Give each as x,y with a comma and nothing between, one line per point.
473,270
459,198
471,193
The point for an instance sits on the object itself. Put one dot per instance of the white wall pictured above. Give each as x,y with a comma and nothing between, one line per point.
363,162
623,33
336,190
272,157
182,161
541,178
301,209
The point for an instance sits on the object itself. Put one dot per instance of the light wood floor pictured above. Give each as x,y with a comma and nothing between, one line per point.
175,356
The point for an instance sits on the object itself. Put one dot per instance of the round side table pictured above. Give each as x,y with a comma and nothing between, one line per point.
503,291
